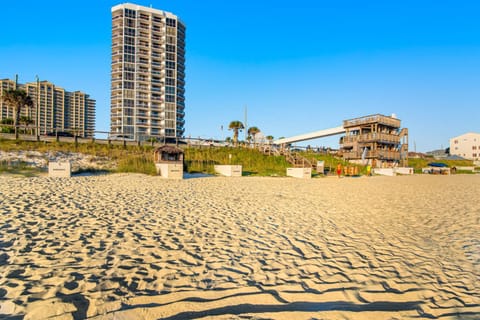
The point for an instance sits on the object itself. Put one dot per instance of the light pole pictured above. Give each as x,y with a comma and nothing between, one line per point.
37,116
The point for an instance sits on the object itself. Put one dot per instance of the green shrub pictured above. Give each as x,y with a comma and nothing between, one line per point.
138,164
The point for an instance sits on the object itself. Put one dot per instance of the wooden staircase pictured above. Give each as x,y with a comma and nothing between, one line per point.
404,147
297,160
294,158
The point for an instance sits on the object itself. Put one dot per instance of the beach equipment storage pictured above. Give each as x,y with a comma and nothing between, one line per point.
169,162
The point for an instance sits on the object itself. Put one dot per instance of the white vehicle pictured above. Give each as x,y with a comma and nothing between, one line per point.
120,137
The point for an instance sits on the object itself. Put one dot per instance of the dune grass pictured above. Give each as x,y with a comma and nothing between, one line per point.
19,168
140,158
197,159
253,161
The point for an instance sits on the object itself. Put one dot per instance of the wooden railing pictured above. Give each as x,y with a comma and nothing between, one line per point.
377,154
376,118
297,160
373,136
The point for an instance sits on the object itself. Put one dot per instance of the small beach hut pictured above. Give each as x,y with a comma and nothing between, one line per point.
169,161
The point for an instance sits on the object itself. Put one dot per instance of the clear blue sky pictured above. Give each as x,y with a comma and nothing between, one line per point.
298,66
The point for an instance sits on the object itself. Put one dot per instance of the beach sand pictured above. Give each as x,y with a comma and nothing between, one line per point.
129,246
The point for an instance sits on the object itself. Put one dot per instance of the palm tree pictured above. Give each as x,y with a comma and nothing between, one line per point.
26,121
236,126
269,139
252,131
17,99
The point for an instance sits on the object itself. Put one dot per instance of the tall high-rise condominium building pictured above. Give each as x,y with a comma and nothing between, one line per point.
54,108
148,73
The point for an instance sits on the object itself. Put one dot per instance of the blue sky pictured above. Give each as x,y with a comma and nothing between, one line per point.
297,66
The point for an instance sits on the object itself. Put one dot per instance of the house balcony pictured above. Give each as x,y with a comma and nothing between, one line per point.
371,137
375,154
377,118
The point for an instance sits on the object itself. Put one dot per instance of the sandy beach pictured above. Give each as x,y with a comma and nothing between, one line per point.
129,246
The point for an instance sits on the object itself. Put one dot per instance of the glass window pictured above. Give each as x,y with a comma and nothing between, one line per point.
129,41
129,49
129,58
130,13
130,23
130,32
129,67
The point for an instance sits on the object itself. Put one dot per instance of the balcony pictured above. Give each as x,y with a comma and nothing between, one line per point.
377,118
143,52
142,88
375,154
371,137
142,79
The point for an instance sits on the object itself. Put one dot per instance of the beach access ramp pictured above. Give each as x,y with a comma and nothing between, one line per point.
311,135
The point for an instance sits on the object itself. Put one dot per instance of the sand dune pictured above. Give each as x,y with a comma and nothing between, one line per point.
130,246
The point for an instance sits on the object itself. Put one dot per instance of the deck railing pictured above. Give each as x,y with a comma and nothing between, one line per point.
376,154
373,136
376,118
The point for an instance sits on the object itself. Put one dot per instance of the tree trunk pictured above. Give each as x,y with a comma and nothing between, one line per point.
235,137
15,122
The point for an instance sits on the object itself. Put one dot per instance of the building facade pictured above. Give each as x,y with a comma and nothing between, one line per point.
375,139
55,109
466,146
148,73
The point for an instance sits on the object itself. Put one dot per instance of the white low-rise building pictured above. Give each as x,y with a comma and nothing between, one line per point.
466,145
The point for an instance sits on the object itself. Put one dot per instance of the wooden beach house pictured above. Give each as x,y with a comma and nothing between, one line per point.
377,140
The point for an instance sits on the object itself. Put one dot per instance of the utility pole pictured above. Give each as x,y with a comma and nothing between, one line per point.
245,125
